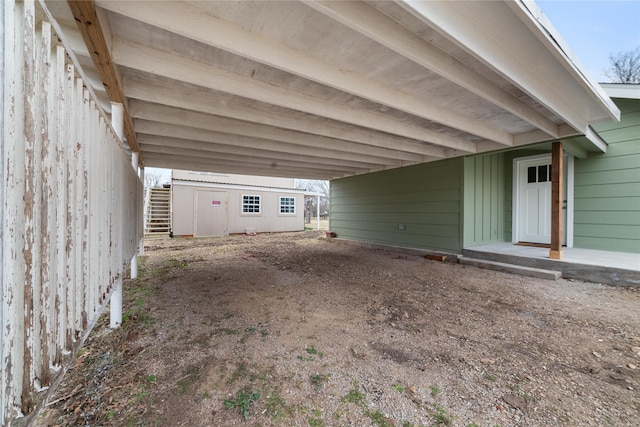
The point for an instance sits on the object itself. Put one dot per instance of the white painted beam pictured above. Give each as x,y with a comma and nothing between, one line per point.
251,161
376,143
204,165
367,21
317,156
303,147
169,115
180,68
252,158
480,28
204,28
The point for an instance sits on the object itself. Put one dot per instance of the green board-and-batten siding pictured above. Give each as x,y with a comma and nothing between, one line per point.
425,200
484,198
463,202
607,187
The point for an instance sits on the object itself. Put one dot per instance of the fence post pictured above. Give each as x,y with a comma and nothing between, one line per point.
115,305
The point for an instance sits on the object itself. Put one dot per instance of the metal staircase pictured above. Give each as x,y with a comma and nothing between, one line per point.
158,212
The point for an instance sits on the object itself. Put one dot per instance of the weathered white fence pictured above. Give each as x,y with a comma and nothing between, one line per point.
70,209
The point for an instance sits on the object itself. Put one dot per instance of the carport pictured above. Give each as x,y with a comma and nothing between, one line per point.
314,89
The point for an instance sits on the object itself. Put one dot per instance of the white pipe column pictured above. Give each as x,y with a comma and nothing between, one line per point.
318,212
134,259
115,304
144,214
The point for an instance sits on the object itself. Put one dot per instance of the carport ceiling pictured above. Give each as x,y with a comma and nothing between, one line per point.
325,89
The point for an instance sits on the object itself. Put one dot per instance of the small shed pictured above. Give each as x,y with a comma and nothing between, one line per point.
206,204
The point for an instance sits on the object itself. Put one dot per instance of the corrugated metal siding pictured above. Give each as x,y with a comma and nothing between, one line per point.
484,198
607,187
425,199
71,210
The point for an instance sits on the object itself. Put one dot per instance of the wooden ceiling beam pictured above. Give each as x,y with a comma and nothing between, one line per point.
88,22
211,165
192,119
249,143
376,26
251,158
213,31
214,148
369,142
181,68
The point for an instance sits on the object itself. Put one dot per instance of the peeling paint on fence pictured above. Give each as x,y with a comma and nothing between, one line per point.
70,209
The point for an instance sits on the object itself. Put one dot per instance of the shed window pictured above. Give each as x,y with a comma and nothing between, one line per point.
287,205
251,204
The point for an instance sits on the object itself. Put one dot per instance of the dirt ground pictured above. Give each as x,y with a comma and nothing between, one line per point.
293,330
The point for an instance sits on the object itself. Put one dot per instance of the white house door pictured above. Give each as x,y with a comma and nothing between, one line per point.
534,209
211,213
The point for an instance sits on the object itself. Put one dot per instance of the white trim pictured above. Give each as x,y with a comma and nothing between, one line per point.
243,213
515,206
622,90
238,187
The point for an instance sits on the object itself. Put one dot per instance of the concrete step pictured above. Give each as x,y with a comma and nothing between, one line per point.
511,268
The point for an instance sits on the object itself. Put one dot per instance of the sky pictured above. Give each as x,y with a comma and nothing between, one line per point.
595,29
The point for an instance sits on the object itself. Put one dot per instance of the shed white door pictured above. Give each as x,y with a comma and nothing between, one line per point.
534,222
211,213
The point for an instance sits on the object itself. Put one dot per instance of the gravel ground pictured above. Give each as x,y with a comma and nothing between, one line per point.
293,330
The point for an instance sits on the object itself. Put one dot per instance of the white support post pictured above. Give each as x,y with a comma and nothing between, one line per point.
115,304
144,214
318,212
134,266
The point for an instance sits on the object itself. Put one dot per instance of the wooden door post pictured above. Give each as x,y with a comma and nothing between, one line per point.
556,201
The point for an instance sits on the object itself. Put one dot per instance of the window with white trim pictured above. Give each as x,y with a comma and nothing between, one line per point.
287,205
250,204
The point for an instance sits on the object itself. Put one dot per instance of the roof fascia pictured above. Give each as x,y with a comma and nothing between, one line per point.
549,76
622,90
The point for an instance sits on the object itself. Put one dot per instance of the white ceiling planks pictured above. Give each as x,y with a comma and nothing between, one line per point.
326,89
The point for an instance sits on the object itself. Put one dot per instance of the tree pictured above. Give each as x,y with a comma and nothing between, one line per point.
315,186
625,67
152,178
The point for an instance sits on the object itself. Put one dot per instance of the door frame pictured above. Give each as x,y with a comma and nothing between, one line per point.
515,202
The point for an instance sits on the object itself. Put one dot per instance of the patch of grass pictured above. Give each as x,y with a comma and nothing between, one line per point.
277,408
315,422
178,264
150,379
305,358
442,418
142,267
472,425
314,351
399,388
379,419
240,372
184,382
111,414
206,395
142,394
516,389
489,377
319,379
231,331
354,396
435,390
243,401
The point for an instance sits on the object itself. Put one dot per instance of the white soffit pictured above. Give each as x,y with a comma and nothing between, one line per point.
322,89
